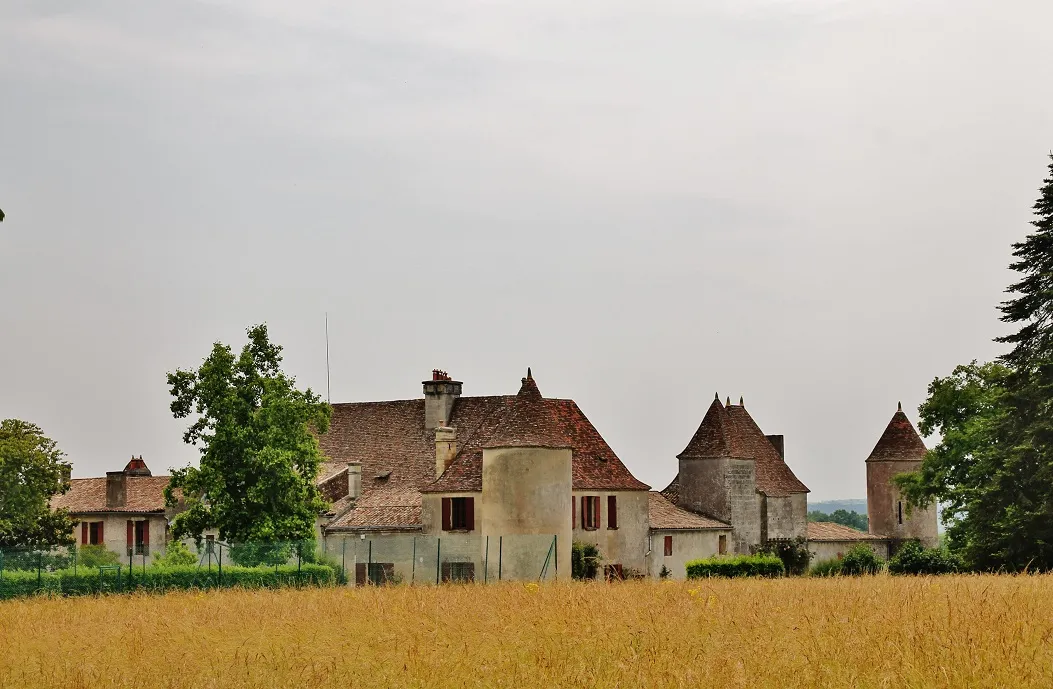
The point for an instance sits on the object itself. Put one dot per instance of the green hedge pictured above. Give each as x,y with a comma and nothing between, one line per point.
737,566
159,579
913,558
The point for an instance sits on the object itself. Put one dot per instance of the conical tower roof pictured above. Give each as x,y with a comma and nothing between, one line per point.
715,436
900,441
529,422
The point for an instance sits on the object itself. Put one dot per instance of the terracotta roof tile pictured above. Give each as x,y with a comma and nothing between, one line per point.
529,423
774,476
829,531
899,441
715,436
665,515
388,508
142,494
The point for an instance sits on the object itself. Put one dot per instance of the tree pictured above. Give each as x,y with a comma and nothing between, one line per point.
31,472
259,458
994,464
851,519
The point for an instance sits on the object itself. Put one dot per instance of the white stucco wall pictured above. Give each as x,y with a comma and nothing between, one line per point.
625,545
115,532
687,545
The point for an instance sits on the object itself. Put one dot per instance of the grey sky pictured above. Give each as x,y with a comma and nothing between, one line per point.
806,202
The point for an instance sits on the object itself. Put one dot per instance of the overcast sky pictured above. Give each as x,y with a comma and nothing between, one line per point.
805,202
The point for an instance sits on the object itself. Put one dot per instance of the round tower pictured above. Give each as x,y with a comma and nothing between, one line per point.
527,481
899,450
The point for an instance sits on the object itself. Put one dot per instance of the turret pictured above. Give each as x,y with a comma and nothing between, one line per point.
899,450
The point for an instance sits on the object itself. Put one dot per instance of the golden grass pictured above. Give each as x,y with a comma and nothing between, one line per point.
975,631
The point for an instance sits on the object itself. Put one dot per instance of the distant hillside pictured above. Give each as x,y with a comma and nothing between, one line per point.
857,505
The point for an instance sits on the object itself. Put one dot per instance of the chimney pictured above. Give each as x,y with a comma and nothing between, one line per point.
778,442
115,488
445,448
137,467
439,395
354,480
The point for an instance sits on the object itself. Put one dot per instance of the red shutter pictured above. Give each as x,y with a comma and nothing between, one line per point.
612,512
360,574
445,514
573,512
131,534
469,513
596,512
102,539
84,533
584,512
668,546
146,532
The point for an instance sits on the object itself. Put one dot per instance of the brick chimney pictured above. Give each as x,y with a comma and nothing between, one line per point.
439,395
445,448
115,489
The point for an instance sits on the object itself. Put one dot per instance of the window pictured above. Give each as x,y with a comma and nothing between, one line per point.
91,533
668,546
142,538
458,571
458,514
612,512
899,511
722,544
590,512
376,573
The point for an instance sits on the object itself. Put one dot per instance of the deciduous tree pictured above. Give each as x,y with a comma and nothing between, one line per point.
31,472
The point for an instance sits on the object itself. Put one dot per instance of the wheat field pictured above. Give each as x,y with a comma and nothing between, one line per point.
968,631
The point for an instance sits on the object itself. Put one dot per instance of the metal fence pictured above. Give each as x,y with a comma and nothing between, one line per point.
352,559
457,558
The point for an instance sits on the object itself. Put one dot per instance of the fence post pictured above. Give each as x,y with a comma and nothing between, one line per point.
343,558
299,559
438,559
369,561
555,549
413,564
500,555
486,559
39,565
130,562
221,566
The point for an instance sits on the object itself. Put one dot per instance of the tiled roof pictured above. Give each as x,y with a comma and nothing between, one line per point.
387,508
829,531
774,476
715,436
899,441
529,423
731,432
142,494
665,515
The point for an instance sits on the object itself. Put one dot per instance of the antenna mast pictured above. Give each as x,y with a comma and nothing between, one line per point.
328,396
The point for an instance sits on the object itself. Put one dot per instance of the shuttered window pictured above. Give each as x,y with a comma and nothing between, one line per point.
84,533
722,546
458,514
668,546
590,512
612,512
95,533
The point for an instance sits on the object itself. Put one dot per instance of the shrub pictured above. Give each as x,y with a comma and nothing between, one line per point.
860,559
176,555
763,565
826,568
913,558
96,556
665,573
160,579
585,559
793,553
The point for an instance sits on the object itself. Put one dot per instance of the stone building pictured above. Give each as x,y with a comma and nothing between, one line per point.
898,450
124,511
732,472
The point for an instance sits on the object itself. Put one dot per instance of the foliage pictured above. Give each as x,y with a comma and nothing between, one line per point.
913,558
853,520
31,558
160,579
96,556
665,572
31,472
177,554
585,560
762,565
860,559
793,553
826,568
255,554
259,457
994,465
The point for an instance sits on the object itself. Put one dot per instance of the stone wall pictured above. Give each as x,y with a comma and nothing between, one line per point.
687,545
786,517
885,503
625,545
827,550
